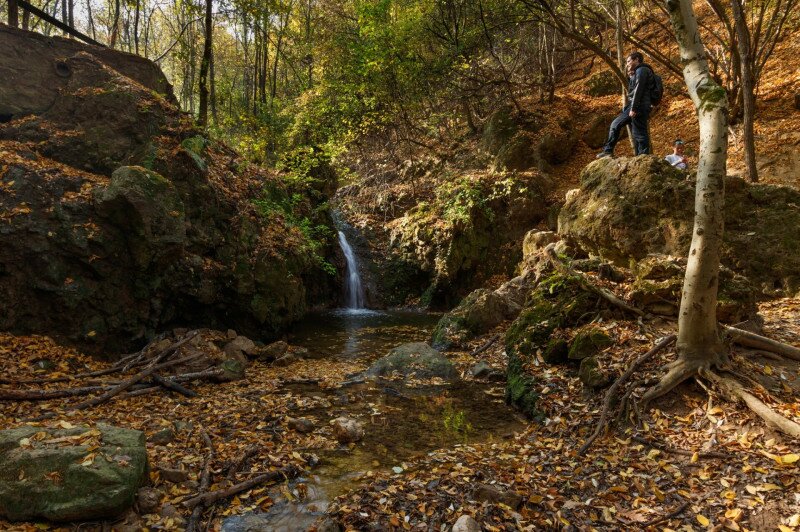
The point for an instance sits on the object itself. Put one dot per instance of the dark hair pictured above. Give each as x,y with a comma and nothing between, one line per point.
637,56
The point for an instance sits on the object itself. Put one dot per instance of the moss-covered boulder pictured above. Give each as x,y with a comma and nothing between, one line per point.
68,474
559,301
415,359
659,282
603,83
591,374
628,208
477,313
588,341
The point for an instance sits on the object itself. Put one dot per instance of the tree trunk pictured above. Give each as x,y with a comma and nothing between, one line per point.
748,89
136,27
115,25
204,65
213,92
699,346
13,13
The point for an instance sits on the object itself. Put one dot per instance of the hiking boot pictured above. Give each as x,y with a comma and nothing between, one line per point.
603,154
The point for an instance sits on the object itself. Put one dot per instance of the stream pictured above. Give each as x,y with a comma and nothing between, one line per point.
400,421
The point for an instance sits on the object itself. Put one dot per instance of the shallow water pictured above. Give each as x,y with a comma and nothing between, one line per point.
400,421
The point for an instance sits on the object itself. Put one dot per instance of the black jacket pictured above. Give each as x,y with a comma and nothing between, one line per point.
639,89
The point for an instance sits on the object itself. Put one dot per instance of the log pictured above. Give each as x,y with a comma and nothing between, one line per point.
45,395
211,497
205,482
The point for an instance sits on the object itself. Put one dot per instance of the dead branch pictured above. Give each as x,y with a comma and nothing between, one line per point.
756,341
734,390
45,395
613,391
170,384
205,482
485,346
241,461
672,515
211,497
672,450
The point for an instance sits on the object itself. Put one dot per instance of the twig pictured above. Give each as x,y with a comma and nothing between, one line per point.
211,497
239,464
672,450
45,395
612,392
205,482
748,339
672,515
485,346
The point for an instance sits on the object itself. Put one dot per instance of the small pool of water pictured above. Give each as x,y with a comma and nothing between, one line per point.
400,421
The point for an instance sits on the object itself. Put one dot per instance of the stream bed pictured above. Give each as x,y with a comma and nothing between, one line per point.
400,421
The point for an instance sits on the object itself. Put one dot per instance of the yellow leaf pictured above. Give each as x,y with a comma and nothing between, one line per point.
536,499
695,457
768,370
703,520
790,458
784,528
769,487
66,425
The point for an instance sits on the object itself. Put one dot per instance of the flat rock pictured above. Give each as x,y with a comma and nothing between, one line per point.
465,523
67,483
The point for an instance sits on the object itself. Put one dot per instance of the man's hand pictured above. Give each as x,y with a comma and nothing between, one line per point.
632,113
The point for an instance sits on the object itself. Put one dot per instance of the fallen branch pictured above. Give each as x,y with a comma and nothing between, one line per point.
211,497
45,395
239,464
485,346
613,392
672,515
756,341
735,390
205,482
672,450
170,384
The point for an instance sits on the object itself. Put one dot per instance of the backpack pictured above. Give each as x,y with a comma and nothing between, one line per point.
656,88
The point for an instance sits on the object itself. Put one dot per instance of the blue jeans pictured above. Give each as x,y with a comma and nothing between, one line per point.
641,139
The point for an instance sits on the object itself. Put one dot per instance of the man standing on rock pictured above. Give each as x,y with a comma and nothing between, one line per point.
636,113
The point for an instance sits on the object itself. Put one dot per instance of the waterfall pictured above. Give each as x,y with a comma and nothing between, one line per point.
353,287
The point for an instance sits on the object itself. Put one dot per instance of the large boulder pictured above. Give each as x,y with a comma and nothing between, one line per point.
69,474
603,83
415,359
36,70
628,208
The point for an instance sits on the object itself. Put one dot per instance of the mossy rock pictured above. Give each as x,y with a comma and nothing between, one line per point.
556,351
70,482
415,359
498,130
477,313
557,148
588,342
195,148
629,208
591,374
558,302
603,83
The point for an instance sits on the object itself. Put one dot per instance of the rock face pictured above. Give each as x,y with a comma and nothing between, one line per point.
34,64
477,313
452,239
627,209
68,480
120,220
416,359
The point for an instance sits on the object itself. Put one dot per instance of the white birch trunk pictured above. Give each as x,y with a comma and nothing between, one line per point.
698,340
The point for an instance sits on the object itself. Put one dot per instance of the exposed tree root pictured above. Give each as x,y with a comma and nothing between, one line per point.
756,341
672,515
732,388
679,371
613,392
606,294
672,450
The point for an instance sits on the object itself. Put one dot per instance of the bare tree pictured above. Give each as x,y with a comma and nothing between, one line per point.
204,65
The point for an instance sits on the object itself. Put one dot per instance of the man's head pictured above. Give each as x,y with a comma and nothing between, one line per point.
677,147
633,60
